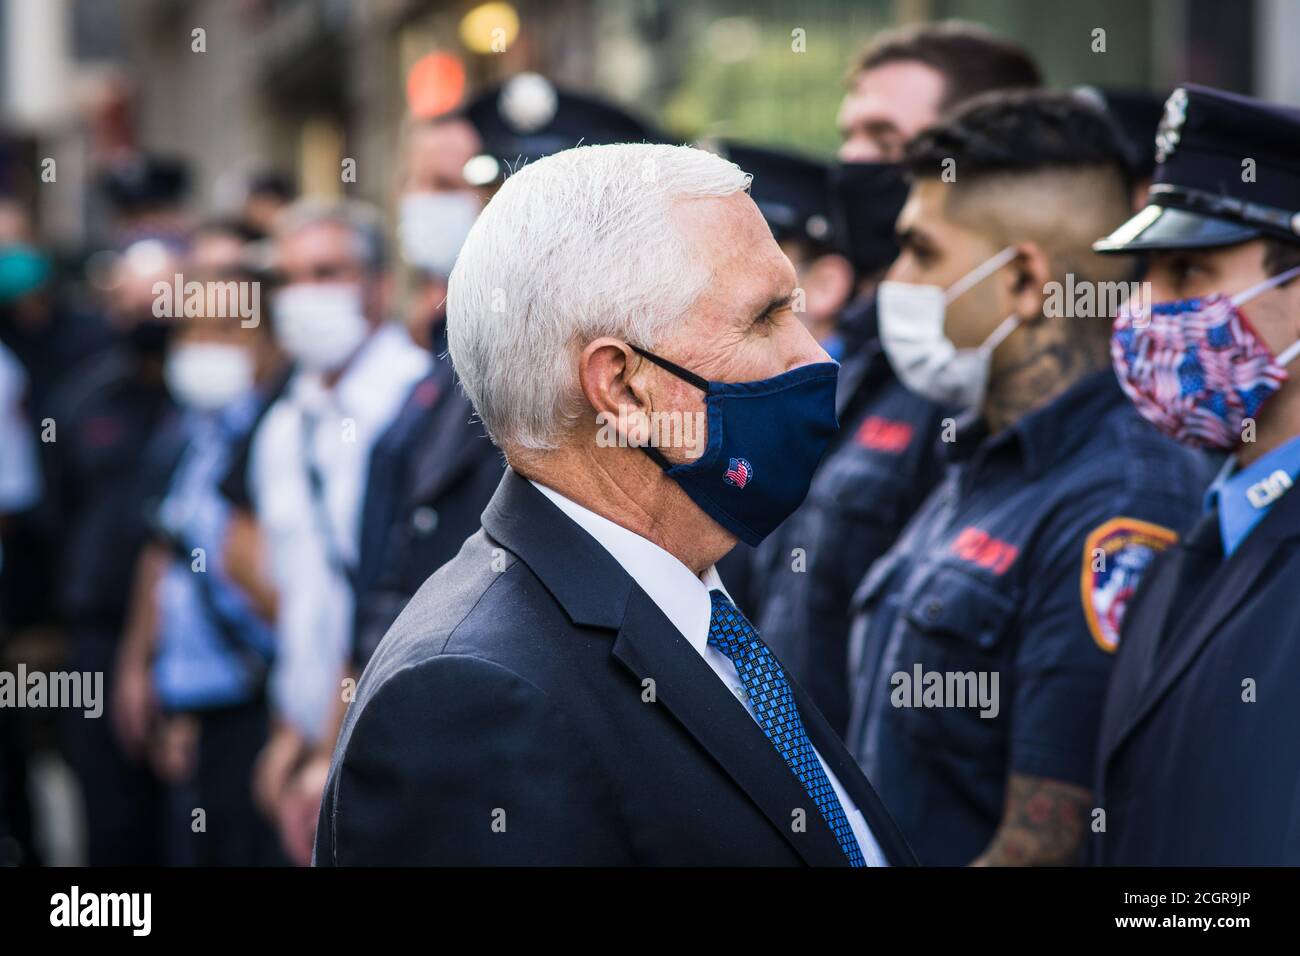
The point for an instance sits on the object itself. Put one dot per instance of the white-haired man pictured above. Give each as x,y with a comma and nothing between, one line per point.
575,687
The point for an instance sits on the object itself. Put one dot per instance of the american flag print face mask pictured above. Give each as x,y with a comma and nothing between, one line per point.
1196,368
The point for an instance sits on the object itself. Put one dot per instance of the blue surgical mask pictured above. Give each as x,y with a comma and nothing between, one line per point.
766,439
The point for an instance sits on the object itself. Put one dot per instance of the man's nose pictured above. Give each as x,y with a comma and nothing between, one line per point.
806,351
858,149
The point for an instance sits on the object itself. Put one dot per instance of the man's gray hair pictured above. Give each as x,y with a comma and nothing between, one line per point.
573,247
362,219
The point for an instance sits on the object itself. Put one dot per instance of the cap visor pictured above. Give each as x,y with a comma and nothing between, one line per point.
1164,227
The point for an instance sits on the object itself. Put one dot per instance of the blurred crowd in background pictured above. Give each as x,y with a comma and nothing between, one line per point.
313,157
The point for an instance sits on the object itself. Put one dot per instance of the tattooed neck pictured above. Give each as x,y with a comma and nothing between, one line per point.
1048,368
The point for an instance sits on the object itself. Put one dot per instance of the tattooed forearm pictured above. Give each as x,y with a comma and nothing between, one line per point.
1043,824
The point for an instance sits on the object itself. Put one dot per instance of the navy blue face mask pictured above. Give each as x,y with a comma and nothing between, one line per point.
766,439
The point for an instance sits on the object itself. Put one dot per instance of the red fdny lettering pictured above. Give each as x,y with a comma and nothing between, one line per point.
881,434
979,547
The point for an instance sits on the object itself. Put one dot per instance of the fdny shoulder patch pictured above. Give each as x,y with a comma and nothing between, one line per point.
1114,557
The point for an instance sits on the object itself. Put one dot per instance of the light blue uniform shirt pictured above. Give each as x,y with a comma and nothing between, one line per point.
208,631
1244,497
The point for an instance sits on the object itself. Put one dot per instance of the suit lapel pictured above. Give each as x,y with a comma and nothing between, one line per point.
1144,623
652,649
1159,614
1243,571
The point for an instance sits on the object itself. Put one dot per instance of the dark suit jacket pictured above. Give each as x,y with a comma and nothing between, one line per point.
1199,754
533,706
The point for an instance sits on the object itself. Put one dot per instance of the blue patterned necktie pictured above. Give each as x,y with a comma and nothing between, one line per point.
773,702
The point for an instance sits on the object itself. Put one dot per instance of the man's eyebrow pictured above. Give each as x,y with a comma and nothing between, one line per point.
881,126
775,305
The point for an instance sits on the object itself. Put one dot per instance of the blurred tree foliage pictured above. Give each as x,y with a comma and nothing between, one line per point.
770,75
743,75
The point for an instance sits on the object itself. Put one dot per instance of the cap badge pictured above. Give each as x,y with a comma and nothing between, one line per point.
1171,124
528,102
739,471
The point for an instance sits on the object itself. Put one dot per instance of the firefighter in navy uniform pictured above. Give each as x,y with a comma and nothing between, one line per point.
1198,760
794,195
879,468
878,471
1057,495
884,460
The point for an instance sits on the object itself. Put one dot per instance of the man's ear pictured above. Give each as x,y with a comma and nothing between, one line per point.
1031,271
617,396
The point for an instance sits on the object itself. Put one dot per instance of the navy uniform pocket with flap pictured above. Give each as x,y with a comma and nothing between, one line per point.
956,629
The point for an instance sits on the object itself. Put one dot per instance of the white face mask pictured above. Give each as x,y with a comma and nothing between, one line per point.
320,326
432,226
208,375
923,357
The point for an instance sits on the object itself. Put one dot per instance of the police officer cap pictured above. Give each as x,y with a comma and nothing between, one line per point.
527,118
146,181
1227,171
1138,114
790,191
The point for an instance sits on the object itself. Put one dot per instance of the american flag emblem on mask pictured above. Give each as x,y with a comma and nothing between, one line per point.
738,473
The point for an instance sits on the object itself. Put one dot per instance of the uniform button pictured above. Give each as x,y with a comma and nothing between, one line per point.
933,610
424,520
